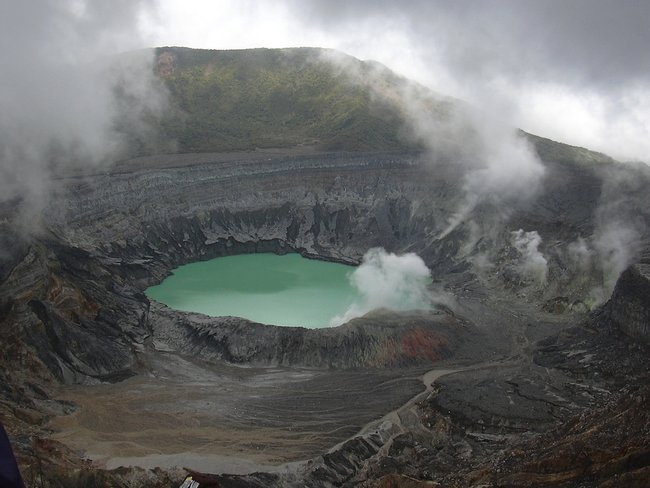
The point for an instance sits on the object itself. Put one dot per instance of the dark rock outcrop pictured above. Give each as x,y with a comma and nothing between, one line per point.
629,306
380,339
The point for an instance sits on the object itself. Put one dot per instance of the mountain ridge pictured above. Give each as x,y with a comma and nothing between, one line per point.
317,98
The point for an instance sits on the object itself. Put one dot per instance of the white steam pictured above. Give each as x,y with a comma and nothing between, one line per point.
618,237
497,166
581,255
58,105
617,245
532,263
386,280
500,169
613,247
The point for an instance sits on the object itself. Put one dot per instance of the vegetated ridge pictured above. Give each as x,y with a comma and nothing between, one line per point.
243,100
261,98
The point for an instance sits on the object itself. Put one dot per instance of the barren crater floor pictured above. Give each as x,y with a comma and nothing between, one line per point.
215,417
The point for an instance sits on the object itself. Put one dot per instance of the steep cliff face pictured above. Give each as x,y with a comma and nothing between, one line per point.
381,339
73,293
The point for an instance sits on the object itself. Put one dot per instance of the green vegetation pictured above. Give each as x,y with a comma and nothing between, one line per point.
549,150
222,101
259,98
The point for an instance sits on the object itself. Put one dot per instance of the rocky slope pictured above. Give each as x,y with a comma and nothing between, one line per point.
75,311
512,355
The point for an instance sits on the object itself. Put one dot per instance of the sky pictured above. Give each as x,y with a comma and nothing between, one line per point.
574,70
577,71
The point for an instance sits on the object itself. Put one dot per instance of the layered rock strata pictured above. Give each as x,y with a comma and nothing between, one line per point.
73,308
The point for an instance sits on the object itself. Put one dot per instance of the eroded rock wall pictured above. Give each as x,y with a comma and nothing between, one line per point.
378,340
73,293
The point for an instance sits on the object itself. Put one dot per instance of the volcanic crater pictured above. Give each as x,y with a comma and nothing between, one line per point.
99,377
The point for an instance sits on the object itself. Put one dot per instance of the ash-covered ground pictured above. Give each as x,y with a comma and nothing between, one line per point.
523,351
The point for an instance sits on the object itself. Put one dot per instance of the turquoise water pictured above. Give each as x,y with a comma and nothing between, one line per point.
281,290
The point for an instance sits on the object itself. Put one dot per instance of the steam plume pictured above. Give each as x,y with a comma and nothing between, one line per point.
502,170
581,255
620,224
498,166
533,264
386,280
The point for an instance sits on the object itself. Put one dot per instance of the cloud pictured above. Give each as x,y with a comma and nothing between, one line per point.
508,57
616,123
386,280
573,41
57,98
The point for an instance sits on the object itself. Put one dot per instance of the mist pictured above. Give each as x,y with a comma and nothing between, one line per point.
499,168
620,226
502,171
390,281
532,263
58,91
